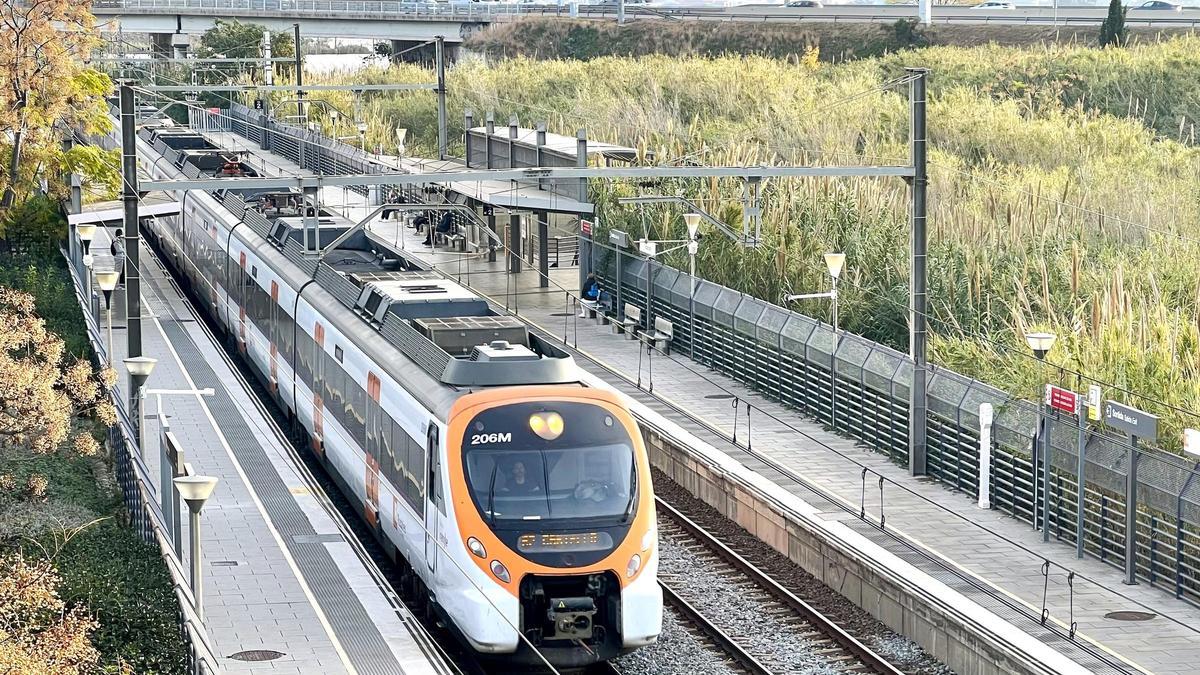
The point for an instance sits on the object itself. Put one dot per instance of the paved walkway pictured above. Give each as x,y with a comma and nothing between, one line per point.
971,546
279,572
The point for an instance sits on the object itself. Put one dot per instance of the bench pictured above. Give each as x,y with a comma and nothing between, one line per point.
629,324
664,332
456,241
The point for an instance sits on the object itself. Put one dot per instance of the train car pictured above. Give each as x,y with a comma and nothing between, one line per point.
516,500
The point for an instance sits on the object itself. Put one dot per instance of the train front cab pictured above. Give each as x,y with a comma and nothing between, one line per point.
554,506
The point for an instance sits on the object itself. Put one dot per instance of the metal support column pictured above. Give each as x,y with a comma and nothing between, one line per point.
489,127
1131,511
543,236
585,241
917,410
514,243
440,57
1047,425
490,214
129,191
311,236
468,123
299,73
1081,411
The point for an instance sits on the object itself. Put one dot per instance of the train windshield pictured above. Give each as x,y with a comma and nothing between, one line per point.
586,469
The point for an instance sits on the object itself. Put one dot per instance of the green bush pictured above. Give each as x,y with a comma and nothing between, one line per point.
45,277
123,583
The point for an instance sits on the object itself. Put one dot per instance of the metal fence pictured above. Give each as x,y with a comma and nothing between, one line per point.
139,495
796,360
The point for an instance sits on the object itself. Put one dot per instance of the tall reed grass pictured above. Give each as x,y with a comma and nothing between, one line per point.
1064,190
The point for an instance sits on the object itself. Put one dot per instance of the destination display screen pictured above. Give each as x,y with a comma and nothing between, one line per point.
562,543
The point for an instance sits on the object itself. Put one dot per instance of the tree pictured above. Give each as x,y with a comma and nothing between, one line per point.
236,40
42,397
39,634
1112,30
44,86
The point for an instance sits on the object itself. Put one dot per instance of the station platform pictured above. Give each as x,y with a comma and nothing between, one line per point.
979,555
287,588
987,557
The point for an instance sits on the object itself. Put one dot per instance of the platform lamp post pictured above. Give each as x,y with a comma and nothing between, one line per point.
87,231
692,220
833,263
139,368
108,283
1041,344
195,490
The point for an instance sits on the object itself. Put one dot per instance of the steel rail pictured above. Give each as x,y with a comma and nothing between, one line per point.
718,636
811,614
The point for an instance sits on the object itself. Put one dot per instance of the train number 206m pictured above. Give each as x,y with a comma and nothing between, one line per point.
483,439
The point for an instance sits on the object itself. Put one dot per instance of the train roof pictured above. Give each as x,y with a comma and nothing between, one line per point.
452,333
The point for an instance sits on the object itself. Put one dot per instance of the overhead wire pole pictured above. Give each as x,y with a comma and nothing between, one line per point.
440,56
299,72
918,295
129,194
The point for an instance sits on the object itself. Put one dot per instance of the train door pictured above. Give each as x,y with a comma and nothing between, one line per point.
318,381
244,289
273,336
371,508
433,494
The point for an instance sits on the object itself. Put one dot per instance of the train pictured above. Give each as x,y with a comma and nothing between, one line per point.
517,501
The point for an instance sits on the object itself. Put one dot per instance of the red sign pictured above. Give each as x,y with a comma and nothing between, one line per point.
586,227
1062,399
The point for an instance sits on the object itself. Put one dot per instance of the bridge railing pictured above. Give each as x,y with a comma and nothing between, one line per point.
325,7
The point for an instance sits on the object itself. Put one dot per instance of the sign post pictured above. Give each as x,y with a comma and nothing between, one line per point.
1085,411
1062,400
1137,424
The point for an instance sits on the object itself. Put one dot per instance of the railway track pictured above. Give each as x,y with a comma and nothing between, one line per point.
781,634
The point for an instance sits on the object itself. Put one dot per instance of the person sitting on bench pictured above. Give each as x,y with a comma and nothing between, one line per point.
420,221
590,294
443,227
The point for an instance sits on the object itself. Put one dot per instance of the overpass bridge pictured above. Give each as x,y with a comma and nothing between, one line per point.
409,22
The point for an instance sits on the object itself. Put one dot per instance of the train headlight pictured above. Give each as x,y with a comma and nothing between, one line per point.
548,425
635,564
500,571
476,547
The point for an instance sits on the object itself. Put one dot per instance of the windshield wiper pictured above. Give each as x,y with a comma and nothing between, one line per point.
632,492
492,494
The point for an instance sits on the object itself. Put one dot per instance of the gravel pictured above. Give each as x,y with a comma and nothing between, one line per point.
677,652
901,651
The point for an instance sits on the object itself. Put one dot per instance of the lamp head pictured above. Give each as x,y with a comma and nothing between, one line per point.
834,263
1040,343
312,126
692,220
195,490
140,367
107,280
362,127
1191,443
87,258
333,115
86,231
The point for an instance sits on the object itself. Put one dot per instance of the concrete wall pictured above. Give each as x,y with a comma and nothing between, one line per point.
964,640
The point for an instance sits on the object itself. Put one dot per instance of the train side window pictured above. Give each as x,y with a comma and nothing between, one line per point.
434,489
337,353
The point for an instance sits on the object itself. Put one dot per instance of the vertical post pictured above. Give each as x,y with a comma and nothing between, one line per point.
513,124
585,242
489,127
618,309
133,286
985,455
692,299
76,207
543,236
1046,463
468,124
440,57
299,72
311,222
197,569
833,360
514,243
620,12
269,79
491,223
539,141
1080,475
1131,512
917,409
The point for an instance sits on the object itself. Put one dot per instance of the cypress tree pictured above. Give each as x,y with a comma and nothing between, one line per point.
1112,31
